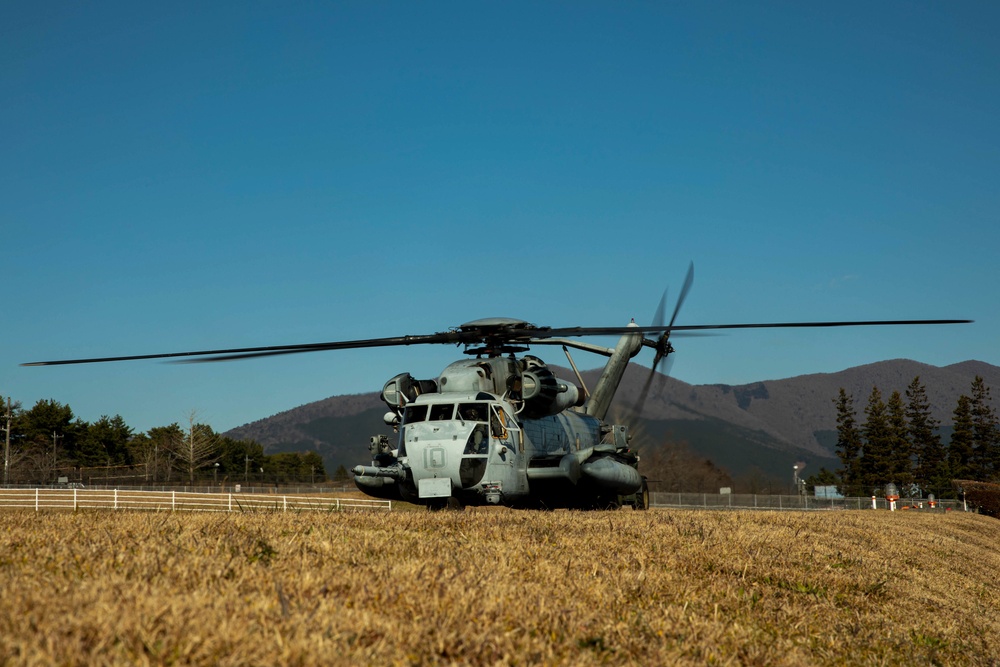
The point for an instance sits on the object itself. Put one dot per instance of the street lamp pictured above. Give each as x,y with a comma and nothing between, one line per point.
215,471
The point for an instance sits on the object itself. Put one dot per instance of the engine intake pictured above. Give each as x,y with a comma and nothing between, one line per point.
543,393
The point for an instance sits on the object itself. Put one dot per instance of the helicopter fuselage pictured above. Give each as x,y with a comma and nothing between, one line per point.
499,430
471,447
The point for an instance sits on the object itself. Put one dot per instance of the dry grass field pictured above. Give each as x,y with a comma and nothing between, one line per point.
500,587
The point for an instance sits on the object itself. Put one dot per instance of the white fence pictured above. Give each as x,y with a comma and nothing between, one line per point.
38,499
178,501
775,502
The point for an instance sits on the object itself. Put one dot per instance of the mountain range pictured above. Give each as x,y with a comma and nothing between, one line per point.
762,428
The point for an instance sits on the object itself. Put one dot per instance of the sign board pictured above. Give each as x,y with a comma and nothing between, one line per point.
827,492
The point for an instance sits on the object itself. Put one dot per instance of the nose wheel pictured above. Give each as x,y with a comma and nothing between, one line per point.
450,503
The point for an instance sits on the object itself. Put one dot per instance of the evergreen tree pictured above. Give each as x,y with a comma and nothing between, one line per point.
960,448
240,459
984,432
822,478
931,470
876,458
105,443
295,467
848,443
47,438
900,449
157,452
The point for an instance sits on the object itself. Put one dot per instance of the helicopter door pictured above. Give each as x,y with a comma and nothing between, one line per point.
509,436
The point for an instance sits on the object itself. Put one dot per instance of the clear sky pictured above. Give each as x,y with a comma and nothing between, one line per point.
181,176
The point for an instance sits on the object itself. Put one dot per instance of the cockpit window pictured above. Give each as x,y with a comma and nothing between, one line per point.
473,412
442,412
414,413
478,442
498,423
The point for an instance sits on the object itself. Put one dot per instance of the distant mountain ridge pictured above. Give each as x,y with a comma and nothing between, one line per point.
765,426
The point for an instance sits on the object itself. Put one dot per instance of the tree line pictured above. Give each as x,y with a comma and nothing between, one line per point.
48,444
900,442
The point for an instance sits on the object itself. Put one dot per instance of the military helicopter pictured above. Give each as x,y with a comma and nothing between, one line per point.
498,427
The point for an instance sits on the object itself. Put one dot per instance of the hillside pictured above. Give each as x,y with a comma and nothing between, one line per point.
762,426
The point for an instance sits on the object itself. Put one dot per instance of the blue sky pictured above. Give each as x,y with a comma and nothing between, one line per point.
180,176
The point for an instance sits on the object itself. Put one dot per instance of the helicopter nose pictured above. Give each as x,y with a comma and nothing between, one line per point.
435,460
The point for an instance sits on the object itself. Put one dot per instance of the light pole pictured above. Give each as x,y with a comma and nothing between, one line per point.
215,473
55,459
6,447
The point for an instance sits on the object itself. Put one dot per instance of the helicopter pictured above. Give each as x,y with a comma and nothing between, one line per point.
498,427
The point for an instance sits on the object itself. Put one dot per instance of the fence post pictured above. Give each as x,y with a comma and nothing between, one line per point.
36,499
338,504
74,499
173,501
779,501
284,503
116,498
230,502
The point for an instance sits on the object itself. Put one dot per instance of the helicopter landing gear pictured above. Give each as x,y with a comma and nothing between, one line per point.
640,499
449,503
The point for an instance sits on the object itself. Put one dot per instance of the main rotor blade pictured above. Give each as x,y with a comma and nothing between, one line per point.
523,334
248,352
792,325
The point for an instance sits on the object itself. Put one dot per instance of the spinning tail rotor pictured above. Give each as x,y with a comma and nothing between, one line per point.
662,362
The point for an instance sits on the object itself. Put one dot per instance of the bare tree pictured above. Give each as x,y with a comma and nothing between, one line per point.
197,449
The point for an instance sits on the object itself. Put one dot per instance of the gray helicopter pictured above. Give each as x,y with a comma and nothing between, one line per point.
501,429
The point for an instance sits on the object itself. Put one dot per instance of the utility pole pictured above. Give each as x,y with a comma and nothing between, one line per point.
6,447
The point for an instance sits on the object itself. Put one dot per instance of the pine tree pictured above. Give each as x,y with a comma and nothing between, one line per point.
105,443
900,455
960,448
848,442
931,471
984,432
876,462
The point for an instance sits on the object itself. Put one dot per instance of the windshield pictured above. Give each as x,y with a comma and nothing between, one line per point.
414,413
473,412
442,411
467,412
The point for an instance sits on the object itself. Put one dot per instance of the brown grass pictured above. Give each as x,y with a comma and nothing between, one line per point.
500,587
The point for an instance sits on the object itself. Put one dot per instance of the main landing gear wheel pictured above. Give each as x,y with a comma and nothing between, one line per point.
642,497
